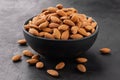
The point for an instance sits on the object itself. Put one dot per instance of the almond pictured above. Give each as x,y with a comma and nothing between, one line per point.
27,53
79,24
65,35
88,28
52,9
56,33
69,22
43,25
60,65
82,31
48,35
93,30
93,24
16,58
69,13
21,41
41,34
75,18
36,56
55,19
105,50
76,36
61,13
32,61
64,17
33,31
81,60
52,72
81,68
90,19
39,65
26,27
33,26
74,29
88,34
59,6
49,30
53,25
63,27
38,22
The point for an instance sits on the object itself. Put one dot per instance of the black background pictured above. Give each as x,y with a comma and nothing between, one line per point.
13,14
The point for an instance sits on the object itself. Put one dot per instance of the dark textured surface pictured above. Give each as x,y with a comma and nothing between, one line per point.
13,14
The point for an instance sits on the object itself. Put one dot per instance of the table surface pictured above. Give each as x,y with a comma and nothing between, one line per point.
13,14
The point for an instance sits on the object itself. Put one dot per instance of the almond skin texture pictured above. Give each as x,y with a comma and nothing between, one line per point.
75,18
48,35
27,53
61,13
60,65
69,22
21,41
63,27
39,65
74,29
43,25
55,19
52,9
38,22
53,25
81,68
16,58
59,6
33,31
82,31
32,61
49,30
52,72
56,33
65,35
76,36
105,50
81,60
36,56
88,28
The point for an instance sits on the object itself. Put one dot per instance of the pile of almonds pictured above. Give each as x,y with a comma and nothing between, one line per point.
61,23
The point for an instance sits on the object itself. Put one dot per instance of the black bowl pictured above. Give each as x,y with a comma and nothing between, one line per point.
57,49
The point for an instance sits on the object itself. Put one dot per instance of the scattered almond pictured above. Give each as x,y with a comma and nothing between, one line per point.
21,41
16,58
81,60
60,65
105,50
39,65
27,53
32,61
52,72
81,68
36,56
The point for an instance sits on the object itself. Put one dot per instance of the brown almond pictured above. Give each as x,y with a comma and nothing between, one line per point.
33,31
36,56
27,53
88,28
52,72
93,24
93,30
49,30
81,68
75,18
63,27
26,27
60,65
76,36
73,10
61,13
48,35
69,13
81,60
82,31
65,35
39,65
43,25
105,50
56,33
69,22
53,25
41,34
33,26
38,22
79,24
32,61
64,17
89,19
16,58
59,6
52,9
21,41
55,19
88,34
74,29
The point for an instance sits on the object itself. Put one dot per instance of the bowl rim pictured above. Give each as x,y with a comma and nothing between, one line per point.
96,30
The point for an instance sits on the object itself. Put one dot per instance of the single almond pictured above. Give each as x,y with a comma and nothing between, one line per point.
43,25
73,10
82,31
64,17
94,24
63,27
53,25
74,29
38,22
69,13
93,30
88,34
39,65
65,35
79,24
76,36
88,28
75,17
105,50
69,22
49,30
52,9
41,34
36,56
59,6
61,13
33,31
32,61
16,58
56,33
60,65
52,72
81,68
26,27
21,41
27,53
48,35
81,60
55,19
89,19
